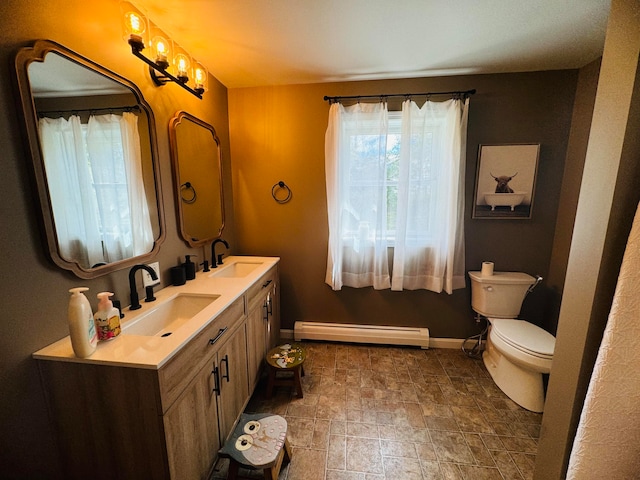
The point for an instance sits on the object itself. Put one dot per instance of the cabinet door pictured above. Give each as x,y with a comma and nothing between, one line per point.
273,310
234,390
191,428
256,342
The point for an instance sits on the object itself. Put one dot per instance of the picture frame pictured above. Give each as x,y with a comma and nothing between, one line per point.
505,181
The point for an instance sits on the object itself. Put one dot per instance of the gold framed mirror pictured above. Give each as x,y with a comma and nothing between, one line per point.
92,141
197,174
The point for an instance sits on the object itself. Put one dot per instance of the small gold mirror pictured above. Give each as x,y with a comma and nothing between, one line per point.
197,174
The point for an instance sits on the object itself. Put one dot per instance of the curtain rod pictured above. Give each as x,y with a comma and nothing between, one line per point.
132,108
425,94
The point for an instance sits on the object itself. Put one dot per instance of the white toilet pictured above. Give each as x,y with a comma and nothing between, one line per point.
517,352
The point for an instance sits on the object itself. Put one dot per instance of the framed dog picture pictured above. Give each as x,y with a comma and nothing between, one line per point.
506,181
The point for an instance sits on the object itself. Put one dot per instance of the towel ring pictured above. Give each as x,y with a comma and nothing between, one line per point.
188,186
281,186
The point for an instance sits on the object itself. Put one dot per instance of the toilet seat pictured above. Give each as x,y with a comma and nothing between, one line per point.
525,337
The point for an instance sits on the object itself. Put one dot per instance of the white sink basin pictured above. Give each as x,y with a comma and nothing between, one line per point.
236,270
168,316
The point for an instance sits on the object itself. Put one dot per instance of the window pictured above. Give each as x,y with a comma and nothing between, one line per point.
394,179
422,183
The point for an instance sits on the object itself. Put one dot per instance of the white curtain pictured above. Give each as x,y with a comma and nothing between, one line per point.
357,261
410,198
142,231
96,188
116,164
429,250
607,443
71,190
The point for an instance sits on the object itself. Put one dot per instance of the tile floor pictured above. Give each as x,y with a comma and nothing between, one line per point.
382,413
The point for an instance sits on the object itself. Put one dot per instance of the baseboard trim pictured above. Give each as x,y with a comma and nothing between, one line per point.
452,343
286,333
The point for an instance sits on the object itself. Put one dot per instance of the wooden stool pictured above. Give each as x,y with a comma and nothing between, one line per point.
286,358
259,442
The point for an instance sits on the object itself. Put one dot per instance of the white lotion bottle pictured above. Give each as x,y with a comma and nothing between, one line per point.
82,329
107,318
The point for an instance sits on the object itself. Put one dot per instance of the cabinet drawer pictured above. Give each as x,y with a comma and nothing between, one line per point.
255,291
175,375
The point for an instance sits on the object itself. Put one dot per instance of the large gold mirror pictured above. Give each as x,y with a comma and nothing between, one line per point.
197,170
92,141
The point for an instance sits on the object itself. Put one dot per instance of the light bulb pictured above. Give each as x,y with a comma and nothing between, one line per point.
182,66
135,26
135,23
161,48
200,80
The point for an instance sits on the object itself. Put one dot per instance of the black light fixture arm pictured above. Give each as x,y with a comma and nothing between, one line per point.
159,75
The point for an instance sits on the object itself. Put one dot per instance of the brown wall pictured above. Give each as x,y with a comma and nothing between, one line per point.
571,180
33,293
608,199
277,133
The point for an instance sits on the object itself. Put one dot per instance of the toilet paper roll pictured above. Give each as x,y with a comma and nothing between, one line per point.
487,269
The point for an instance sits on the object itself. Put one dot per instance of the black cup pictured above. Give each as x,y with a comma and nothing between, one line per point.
178,276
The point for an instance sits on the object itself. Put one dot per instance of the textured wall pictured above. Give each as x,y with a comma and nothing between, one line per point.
277,133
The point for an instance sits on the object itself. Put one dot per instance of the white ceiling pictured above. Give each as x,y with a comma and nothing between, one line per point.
274,42
59,77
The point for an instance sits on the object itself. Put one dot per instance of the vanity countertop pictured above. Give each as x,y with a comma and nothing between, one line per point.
153,352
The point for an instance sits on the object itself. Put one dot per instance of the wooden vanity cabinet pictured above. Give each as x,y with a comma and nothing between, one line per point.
124,422
234,385
127,422
107,420
191,428
206,411
178,372
263,321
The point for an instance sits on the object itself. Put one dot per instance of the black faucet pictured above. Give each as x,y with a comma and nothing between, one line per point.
133,291
213,252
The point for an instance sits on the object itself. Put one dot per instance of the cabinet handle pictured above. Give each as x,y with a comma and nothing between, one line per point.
267,284
268,307
226,364
216,381
220,333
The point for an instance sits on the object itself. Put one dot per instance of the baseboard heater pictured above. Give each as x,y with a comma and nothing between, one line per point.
339,332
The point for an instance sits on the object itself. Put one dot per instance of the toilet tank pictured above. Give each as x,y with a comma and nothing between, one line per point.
499,295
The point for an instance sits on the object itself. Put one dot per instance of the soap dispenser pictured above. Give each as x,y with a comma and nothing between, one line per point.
107,317
82,328
189,267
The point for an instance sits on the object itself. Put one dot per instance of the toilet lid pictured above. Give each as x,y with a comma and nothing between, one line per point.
524,336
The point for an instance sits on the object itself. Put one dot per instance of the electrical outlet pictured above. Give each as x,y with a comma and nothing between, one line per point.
146,278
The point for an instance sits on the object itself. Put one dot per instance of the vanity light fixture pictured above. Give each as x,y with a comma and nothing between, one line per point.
168,61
